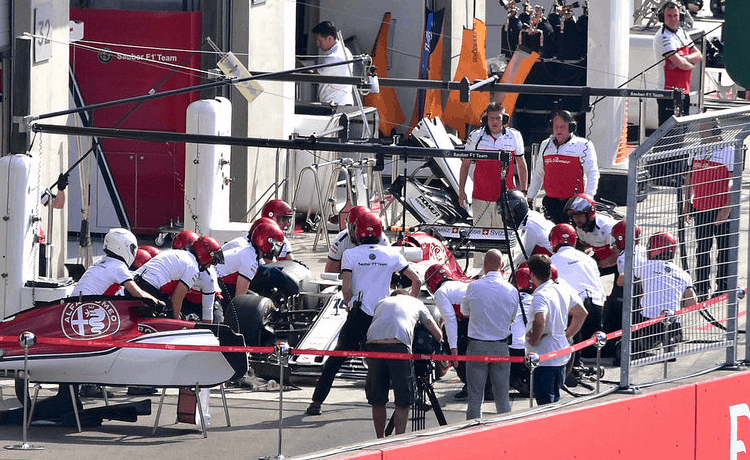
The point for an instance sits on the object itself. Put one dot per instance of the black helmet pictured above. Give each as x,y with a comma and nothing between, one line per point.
514,208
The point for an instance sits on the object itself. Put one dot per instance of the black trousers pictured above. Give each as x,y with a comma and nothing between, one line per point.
554,209
705,233
353,334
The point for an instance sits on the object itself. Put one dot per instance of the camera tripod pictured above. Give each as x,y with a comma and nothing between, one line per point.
424,377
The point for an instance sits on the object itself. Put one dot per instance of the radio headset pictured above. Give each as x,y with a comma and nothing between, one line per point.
567,117
494,107
660,11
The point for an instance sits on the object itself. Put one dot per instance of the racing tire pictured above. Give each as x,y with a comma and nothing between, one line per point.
246,315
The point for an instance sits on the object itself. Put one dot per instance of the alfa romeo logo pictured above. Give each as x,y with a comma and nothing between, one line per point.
89,320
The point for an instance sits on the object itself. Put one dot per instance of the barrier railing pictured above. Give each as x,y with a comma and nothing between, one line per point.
690,198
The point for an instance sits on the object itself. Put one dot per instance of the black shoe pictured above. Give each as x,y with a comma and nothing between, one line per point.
463,394
141,391
313,409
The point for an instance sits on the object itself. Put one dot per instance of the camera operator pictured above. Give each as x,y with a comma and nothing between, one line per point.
392,331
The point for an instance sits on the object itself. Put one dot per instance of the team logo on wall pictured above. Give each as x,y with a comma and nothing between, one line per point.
105,55
89,320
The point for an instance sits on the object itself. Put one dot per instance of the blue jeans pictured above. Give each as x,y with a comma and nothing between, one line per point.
476,377
547,383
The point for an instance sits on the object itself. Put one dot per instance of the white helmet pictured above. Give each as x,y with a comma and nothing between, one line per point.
122,243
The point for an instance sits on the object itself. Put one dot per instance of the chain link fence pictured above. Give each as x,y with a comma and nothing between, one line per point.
683,252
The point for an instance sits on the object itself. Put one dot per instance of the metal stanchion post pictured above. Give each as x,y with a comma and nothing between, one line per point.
27,340
531,361
282,352
601,341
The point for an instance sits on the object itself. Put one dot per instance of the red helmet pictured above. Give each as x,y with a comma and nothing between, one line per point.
184,239
269,238
277,209
562,235
662,245
354,214
435,275
141,257
581,203
618,232
523,278
262,220
153,250
368,225
207,251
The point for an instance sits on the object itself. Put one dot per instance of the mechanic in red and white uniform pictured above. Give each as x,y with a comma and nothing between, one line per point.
639,253
242,255
156,275
346,239
566,165
282,213
449,294
666,288
201,298
519,373
112,272
594,231
582,274
366,279
680,58
489,174
707,203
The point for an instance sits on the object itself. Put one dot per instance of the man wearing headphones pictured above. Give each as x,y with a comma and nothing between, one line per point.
680,57
489,175
566,166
